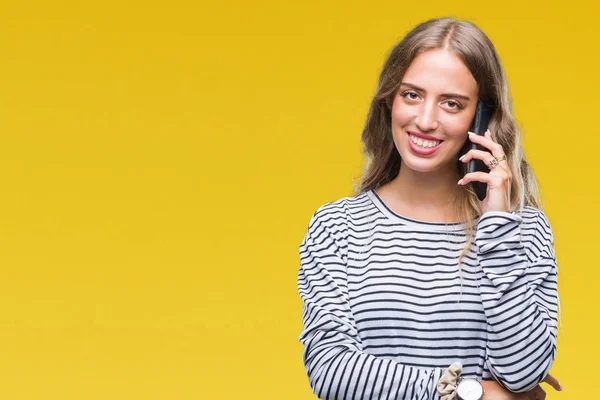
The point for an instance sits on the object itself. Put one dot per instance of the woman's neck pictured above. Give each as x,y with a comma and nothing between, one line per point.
423,196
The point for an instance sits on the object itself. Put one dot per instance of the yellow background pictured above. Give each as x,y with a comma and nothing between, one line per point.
160,162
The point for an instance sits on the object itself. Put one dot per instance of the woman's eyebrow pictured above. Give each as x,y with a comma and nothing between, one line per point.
456,95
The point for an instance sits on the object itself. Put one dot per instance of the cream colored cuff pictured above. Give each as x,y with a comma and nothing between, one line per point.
446,386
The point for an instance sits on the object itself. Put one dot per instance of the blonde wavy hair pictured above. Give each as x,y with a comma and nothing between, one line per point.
468,42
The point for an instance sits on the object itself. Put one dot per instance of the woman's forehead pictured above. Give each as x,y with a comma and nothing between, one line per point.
440,71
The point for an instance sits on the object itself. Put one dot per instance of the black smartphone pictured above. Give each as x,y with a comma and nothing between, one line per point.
483,115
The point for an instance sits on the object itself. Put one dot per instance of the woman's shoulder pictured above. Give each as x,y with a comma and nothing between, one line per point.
535,227
341,209
534,216
342,206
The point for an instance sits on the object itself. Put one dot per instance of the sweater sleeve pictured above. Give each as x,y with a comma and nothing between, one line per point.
520,297
333,354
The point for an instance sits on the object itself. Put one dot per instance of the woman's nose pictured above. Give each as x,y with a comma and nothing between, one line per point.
426,119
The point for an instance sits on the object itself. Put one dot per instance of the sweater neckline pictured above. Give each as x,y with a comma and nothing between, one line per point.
392,215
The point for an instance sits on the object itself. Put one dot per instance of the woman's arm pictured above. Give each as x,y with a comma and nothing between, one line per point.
494,391
333,355
520,298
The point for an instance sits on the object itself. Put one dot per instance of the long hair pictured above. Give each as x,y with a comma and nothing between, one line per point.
475,49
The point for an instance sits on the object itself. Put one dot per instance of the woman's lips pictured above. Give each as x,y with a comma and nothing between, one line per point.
422,151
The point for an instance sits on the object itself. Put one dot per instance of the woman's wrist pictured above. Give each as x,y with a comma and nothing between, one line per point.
492,390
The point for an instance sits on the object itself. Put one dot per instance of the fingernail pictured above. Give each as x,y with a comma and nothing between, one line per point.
471,133
461,157
561,388
460,182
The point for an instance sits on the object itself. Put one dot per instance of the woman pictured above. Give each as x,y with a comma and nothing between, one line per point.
414,273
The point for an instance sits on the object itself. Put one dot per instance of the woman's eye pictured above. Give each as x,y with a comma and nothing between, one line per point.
454,104
415,96
410,95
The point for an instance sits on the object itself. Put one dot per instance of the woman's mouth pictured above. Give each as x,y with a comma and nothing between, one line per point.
423,146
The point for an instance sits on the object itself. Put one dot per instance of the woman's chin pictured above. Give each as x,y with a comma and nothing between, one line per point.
426,165
423,165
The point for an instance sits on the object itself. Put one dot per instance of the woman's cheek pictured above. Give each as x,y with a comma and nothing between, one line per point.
457,127
402,117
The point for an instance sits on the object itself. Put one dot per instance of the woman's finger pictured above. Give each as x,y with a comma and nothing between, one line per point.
488,143
493,181
552,381
484,156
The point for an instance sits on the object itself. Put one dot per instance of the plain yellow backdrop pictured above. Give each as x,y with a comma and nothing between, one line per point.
160,162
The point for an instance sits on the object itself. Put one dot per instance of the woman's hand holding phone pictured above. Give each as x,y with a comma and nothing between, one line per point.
499,177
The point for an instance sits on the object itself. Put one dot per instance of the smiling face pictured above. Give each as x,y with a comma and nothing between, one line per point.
433,110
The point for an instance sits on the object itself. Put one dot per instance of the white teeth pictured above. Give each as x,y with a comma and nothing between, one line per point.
424,143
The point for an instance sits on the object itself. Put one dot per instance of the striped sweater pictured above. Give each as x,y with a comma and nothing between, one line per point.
385,309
